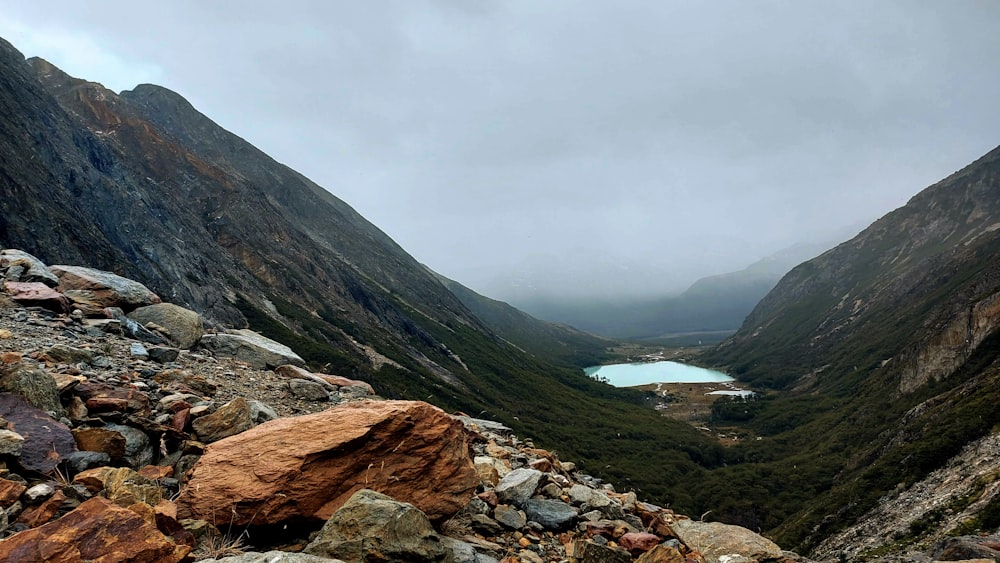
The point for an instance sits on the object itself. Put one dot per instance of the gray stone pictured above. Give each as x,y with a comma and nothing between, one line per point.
162,354
138,449
39,492
509,516
11,443
517,486
252,348
715,540
138,350
371,526
552,514
260,413
184,326
21,266
84,460
307,390
272,557
485,525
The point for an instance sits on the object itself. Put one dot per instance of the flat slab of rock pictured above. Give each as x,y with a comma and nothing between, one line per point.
92,290
46,441
518,486
184,326
97,530
232,418
36,293
307,467
248,346
716,540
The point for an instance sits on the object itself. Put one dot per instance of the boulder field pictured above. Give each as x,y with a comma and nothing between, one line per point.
134,430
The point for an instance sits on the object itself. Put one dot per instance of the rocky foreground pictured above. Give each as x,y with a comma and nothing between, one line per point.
131,432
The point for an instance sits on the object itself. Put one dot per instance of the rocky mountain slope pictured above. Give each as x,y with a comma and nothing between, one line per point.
132,440
885,346
143,185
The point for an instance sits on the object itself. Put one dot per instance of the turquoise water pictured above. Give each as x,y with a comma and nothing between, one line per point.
630,375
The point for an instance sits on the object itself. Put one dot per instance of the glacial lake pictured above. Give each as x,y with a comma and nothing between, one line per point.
630,375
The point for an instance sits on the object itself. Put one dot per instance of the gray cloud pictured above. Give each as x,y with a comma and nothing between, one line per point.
569,140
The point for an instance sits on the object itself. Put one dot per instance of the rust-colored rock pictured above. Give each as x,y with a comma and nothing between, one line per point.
106,396
35,516
308,466
36,293
10,491
638,542
121,485
661,554
101,440
96,531
156,472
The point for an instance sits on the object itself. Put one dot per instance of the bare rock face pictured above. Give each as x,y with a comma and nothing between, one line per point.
374,527
97,530
716,541
307,467
248,346
92,290
184,326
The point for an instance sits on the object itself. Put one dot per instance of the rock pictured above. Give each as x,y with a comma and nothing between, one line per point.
138,447
308,390
96,394
92,290
552,514
100,440
36,294
80,461
231,419
260,413
486,469
46,441
196,382
137,350
661,554
10,491
96,531
130,328
715,540
297,373
589,552
272,557
62,354
185,327
28,268
120,485
598,500
518,486
11,443
248,346
638,542
163,354
35,516
32,383
371,526
510,516
65,382
39,492
308,466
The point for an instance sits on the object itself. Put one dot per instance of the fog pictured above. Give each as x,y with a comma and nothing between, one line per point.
571,148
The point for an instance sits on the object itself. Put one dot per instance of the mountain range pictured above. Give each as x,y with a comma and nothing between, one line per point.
876,362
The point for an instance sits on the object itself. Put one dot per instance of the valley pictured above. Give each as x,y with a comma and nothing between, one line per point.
876,362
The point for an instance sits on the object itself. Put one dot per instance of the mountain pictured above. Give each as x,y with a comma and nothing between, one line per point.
555,341
143,185
709,310
883,355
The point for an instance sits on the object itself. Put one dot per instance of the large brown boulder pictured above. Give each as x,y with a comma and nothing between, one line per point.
92,290
308,466
36,294
97,530
184,326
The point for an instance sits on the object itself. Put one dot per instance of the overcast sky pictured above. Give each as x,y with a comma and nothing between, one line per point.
613,146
